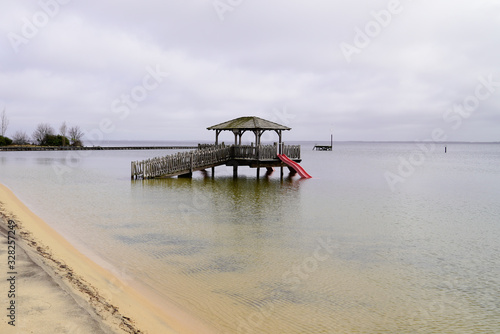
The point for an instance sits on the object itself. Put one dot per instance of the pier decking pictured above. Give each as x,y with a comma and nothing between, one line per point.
324,147
185,163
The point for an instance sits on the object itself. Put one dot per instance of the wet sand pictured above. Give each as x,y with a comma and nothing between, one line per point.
42,305
59,290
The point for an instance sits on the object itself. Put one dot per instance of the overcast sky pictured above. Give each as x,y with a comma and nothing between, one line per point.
166,70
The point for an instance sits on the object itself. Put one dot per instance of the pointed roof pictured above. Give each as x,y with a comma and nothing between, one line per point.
249,123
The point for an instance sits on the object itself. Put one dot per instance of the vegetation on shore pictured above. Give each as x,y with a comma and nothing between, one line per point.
44,135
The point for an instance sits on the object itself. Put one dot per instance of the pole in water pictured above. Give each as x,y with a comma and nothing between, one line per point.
445,149
331,138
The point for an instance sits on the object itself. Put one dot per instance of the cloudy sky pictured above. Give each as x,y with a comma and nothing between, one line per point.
166,70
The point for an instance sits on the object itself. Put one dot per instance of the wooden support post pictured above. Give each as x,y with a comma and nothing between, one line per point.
191,158
217,133
235,170
280,142
281,152
258,172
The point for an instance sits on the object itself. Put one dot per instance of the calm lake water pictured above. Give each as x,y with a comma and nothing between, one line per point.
386,238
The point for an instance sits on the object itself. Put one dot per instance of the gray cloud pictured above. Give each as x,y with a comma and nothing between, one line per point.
261,58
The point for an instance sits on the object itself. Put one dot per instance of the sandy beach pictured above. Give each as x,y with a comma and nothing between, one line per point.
56,289
41,304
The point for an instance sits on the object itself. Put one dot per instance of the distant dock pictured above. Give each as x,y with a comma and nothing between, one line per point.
93,148
322,148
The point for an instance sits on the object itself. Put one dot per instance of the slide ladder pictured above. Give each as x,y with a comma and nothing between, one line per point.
298,168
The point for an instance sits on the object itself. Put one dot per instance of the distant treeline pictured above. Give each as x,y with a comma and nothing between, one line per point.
44,135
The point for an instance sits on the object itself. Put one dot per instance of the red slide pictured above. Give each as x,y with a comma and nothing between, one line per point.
295,166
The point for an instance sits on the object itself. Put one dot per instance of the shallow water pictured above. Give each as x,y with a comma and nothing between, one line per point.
339,253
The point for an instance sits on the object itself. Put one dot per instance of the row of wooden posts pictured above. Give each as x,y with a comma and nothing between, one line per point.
206,157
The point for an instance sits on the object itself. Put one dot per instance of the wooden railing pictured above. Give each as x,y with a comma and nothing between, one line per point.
210,156
265,152
292,151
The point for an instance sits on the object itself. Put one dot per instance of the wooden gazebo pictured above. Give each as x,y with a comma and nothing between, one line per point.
257,125
257,155
254,124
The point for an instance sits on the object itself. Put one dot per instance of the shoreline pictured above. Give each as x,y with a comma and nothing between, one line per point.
36,297
122,310
92,148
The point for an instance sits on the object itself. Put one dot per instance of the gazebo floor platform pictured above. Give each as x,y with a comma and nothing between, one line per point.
253,163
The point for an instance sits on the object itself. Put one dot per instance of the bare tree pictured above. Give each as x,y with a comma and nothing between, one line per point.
20,138
63,129
4,123
76,135
41,132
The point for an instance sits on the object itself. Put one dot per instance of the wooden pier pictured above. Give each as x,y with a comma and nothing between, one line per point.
257,156
322,148
183,164
93,148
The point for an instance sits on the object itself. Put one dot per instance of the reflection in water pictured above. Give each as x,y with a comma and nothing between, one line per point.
340,253
49,161
222,200
270,256
41,158
228,235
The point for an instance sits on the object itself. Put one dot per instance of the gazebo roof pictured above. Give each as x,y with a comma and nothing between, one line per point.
248,123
